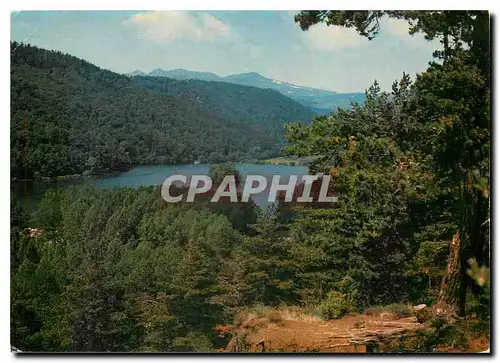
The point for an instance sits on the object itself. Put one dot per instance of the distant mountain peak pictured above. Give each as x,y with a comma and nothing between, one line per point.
157,70
250,74
137,72
247,75
318,99
182,74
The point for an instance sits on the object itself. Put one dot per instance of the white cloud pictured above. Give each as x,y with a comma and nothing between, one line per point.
332,38
166,26
335,38
398,27
256,51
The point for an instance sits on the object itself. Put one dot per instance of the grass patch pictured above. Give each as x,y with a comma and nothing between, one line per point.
396,310
277,314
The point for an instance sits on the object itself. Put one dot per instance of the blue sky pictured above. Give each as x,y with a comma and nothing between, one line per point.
229,42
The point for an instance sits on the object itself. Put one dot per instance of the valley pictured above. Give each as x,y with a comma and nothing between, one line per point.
98,121
387,249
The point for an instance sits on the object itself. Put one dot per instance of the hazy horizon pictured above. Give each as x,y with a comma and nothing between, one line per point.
232,42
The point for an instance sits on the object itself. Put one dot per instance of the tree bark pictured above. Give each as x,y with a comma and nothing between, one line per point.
451,296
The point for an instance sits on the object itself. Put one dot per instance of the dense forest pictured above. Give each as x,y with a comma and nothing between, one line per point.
247,105
122,270
69,117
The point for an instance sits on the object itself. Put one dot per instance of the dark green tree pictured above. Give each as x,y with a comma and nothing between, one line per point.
450,106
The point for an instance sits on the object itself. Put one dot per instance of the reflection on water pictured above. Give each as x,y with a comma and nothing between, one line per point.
31,192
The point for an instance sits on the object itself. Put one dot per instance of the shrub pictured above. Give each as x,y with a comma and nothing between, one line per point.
193,342
442,334
335,305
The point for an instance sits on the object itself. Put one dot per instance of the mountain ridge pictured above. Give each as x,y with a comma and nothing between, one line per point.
320,100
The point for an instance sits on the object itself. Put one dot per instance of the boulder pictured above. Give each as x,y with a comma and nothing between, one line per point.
419,307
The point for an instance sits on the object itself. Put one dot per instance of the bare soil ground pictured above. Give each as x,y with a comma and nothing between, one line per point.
350,334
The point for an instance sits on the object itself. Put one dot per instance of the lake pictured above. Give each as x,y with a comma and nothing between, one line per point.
32,192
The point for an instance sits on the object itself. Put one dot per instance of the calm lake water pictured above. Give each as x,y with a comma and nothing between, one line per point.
32,192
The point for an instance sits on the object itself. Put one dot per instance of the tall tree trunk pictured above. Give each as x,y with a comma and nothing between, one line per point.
481,43
452,294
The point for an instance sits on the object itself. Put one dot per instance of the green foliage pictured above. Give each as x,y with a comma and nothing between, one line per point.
411,168
258,109
73,117
441,333
335,305
264,268
193,342
480,303
481,275
120,270
219,171
367,235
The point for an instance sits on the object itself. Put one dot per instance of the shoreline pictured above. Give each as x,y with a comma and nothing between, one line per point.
279,161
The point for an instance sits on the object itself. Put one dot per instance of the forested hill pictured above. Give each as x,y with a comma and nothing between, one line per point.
76,117
320,100
247,104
